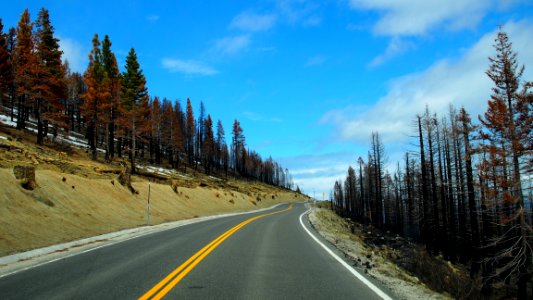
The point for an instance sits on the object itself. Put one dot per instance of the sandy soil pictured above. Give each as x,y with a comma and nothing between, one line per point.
336,231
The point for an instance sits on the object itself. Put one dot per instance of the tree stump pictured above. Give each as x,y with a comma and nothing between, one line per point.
27,176
124,178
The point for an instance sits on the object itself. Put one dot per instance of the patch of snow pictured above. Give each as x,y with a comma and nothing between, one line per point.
7,120
3,137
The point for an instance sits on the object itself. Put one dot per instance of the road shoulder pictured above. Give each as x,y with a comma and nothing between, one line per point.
403,286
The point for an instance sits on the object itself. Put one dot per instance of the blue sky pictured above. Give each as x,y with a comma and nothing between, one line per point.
309,80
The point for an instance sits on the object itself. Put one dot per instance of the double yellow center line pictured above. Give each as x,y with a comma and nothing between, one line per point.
165,285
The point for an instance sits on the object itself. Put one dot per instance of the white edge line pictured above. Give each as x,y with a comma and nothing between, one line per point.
370,285
141,234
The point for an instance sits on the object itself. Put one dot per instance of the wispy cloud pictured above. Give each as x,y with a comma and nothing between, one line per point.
396,46
188,67
417,17
316,60
249,21
232,45
318,172
152,18
300,12
253,116
73,52
459,82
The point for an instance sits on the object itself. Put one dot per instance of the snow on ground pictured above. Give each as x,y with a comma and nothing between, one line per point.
163,171
2,137
7,120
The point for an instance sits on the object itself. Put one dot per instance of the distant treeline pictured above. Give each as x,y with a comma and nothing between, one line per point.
114,109
466,192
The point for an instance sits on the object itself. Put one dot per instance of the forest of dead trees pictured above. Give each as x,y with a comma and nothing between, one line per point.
466,191
114,110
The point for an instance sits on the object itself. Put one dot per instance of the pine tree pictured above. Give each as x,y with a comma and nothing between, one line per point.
508,140
238,148
190,131
50,87
111,107
6,78
26,65
134,106
95,96
12,92
220,144
178,133
208,146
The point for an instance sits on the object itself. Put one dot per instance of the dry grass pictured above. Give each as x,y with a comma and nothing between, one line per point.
78,198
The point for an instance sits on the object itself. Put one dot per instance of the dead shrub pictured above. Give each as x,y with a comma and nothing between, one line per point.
26,175
174,185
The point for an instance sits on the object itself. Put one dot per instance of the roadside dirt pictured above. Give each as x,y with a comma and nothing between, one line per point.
338,232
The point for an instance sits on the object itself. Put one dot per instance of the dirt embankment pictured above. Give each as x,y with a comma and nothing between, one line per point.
76,198
372,260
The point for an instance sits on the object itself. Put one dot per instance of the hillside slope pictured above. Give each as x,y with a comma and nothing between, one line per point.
76,197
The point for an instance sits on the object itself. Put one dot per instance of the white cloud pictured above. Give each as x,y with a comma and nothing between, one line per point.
316,60
417,17
396,46
73,52
232,45
250,21
318,172
188,67
459,82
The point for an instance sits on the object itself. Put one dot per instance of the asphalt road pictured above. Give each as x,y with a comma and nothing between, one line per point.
269,257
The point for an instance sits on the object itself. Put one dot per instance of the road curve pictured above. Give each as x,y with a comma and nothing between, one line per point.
264,255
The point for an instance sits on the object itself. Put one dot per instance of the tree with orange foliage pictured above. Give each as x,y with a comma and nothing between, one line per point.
507,128
112,103
26,64
6,78
95,97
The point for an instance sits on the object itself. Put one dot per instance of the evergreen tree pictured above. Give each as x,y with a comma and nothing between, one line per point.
220,143
238,148
50,88
208,146
26,65
6,78
507,127
95,96
135,106
111,108
190,131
